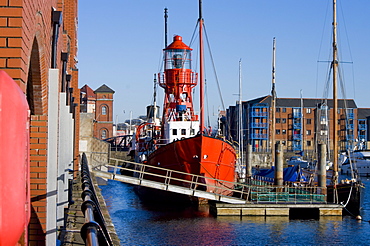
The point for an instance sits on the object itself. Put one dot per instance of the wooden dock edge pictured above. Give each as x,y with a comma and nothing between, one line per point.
250,209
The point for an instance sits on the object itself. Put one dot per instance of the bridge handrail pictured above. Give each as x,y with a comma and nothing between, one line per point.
168,177
193,183
240,190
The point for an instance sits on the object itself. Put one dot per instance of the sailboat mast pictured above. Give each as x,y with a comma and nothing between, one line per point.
241,147
302,123
201,68
273,106
335,99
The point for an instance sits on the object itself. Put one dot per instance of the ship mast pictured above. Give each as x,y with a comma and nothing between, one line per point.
273,110
335,99
201,68
165,27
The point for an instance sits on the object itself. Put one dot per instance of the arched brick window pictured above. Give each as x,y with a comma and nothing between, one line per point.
104,110
34,83
103,133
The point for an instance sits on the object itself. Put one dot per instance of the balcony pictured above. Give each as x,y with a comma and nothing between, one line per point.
297,146
259,125
259,136
350,126
362,126
362,136
259,114
350,115
297,125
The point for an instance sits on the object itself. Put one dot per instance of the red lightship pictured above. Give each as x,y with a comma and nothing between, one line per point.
181,142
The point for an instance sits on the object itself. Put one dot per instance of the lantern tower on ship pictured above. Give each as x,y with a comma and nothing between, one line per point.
178,80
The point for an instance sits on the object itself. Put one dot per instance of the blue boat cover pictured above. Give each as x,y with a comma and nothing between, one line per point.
292,174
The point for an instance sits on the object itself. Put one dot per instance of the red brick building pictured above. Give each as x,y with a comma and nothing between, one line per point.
38,48
100,103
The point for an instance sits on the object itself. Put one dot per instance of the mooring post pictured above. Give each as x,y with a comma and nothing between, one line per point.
278,165
249,161
322,167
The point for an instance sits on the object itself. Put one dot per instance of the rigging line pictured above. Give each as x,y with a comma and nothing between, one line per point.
194,34
352,165
207,101
214,68
349,50
321,41
327,85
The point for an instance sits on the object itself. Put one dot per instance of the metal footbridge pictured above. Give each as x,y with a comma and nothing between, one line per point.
137,175
254,190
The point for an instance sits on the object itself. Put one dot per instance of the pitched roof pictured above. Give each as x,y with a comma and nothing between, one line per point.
89,92
363,113
104,89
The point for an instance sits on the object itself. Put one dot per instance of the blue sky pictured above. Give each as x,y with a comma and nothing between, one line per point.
120,44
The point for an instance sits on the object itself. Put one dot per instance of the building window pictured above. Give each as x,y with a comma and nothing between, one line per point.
283,142
284,131
104,134
277,110
278,131
277,120
308,110
308,121
283,120
308,143
284,110
308,132
174,131
183,131
104,110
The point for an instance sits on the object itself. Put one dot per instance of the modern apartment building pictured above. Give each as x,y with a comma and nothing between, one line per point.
300,123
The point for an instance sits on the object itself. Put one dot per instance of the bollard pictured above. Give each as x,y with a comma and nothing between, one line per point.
278,165
322,167
249,161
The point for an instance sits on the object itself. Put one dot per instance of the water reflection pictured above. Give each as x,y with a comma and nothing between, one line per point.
141,224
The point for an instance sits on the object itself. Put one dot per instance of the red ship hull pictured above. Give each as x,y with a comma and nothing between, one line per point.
202,155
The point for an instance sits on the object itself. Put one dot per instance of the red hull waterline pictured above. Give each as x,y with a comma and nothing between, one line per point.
209,157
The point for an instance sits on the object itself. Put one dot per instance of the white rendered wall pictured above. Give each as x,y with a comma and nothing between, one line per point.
65,157
52,158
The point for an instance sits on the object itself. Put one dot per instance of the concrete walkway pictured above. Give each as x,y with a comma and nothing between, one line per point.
75,218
